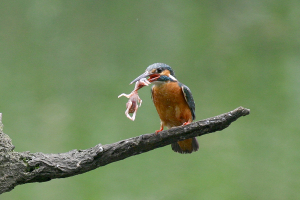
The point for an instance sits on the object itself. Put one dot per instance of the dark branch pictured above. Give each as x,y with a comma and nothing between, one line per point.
18,168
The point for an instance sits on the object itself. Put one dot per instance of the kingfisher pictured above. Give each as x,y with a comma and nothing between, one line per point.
173,101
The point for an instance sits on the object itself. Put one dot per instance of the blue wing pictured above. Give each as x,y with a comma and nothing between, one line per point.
189,98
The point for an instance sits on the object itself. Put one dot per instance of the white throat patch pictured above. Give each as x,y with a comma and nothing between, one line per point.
172,77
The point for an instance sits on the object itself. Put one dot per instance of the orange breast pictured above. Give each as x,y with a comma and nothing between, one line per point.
170,104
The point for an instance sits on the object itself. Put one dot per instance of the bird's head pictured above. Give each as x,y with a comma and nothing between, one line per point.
157,73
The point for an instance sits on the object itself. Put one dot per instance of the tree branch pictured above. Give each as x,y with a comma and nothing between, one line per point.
18,168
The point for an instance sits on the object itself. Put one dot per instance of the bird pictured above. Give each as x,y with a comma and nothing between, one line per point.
173,101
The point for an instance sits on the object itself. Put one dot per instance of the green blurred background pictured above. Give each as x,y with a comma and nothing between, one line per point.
63,64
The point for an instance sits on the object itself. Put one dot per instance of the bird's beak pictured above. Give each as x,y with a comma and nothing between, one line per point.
153,77
144,75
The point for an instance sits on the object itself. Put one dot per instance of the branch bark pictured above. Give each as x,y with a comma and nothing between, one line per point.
18,168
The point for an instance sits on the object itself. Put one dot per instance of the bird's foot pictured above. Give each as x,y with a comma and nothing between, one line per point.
161,129
186,123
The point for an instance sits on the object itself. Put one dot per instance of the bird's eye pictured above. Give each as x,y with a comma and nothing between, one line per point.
159,70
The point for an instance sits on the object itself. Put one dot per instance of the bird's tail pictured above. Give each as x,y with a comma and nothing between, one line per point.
186,146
